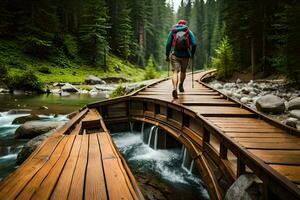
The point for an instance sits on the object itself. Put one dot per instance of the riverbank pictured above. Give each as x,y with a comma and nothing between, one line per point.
275,98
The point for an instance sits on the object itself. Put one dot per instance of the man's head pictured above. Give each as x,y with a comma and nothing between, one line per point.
182,22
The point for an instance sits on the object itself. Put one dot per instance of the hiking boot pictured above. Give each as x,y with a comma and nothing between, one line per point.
181,87
174,94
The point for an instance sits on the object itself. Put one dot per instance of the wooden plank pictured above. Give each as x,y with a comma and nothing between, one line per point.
291,172
45,189
95,187
290,139
219,110
31,187
252,130
77,129
16,182
77,186
271,145
117,187
287,157
62,188
256,135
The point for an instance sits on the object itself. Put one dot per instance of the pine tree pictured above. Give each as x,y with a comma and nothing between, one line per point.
93,32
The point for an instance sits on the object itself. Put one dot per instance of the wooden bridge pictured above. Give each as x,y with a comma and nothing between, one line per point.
224,138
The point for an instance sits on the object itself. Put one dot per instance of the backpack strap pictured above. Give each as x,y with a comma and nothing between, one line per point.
174,37
187,35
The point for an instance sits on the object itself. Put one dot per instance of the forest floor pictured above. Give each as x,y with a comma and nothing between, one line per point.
61,69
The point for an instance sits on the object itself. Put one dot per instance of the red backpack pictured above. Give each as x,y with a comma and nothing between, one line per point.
181,39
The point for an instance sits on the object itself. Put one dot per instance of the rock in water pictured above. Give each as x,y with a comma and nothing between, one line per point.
93,80
246,187
270,104
294,104
295,113
32,129
69,88
19,111
23,119
30,146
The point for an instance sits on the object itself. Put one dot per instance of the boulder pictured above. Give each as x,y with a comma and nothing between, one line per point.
295,113
44,108
19,111
30,146
64,94
69,88
113,79
246,90
246,187
93,80
270,104
252,94
218,86
24,119
32,129
5,91
292,122
238,80
244,100
294,104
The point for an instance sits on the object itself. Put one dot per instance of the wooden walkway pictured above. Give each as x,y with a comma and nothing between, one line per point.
78,162
262,137
225,139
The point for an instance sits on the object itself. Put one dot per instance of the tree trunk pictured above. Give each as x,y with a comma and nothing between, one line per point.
252,56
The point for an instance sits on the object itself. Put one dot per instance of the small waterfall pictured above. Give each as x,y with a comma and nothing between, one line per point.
155,139
150,134
183,158
142,131
187,162
131,124
192,166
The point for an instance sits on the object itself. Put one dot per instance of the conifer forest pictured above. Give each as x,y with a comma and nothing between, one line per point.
261,35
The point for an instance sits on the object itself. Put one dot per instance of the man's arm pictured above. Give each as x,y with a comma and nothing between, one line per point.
193,43
169,44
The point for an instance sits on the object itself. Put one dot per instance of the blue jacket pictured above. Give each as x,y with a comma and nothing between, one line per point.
181,54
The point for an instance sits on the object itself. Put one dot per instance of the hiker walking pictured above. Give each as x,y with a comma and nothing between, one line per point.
180,48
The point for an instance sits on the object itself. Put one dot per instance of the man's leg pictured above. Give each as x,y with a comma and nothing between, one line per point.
175,69
175,79
184,65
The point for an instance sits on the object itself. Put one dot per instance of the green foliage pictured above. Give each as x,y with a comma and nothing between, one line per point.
27,81
3,72
70,46
119,91
224,60
36,47
44,70
150,70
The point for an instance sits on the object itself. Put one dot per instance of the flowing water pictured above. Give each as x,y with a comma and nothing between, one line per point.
159,170
9,146
56,104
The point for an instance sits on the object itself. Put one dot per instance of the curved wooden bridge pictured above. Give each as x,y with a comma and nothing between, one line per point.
224,138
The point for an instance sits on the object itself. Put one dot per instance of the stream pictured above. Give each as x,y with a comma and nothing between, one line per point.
159,172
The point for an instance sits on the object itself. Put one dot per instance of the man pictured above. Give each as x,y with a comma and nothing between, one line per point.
181,46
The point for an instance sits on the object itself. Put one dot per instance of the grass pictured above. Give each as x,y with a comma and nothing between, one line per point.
63,69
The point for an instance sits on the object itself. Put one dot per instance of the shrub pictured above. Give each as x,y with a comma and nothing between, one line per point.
70,46
26,81
119,91
3,72
150,70
44,70
37,47
224,59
